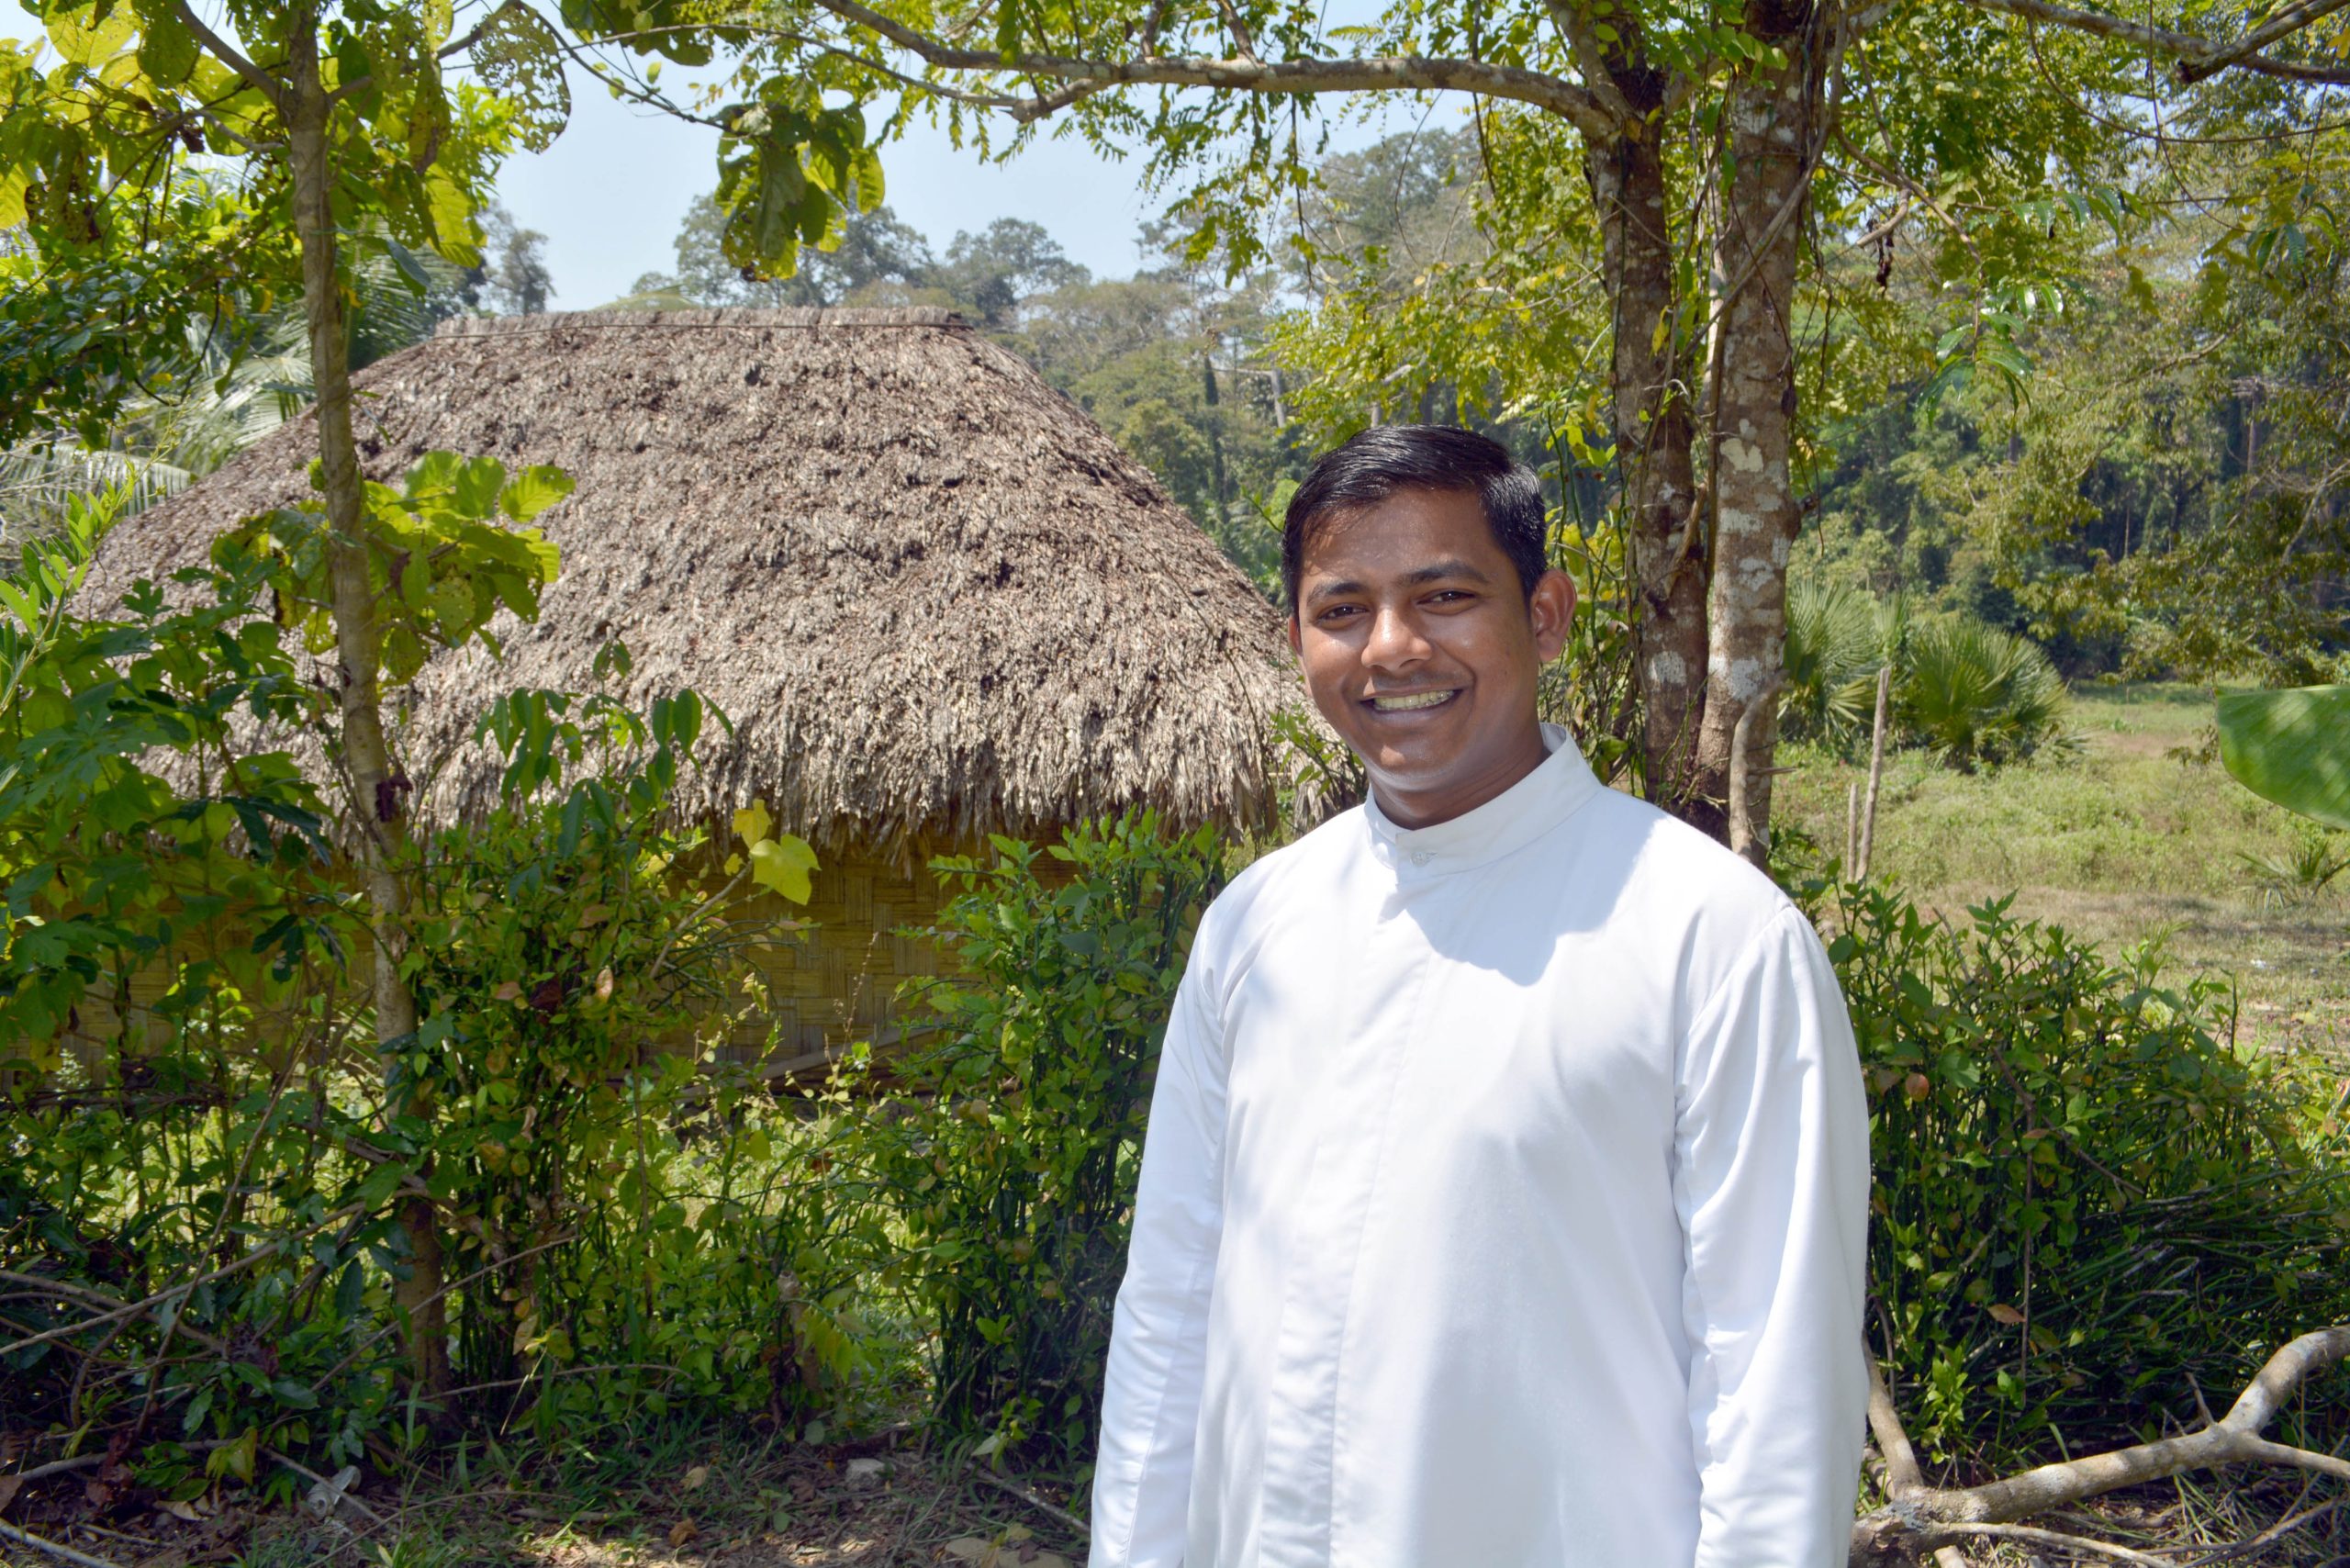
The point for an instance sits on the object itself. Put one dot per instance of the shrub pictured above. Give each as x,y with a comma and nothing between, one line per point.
1012,1141
1832,655
202,1209
1973,694
2087,1204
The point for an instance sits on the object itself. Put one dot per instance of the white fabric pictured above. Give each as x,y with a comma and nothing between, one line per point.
1503,1204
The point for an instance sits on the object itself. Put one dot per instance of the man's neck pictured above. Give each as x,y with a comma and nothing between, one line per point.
1413,809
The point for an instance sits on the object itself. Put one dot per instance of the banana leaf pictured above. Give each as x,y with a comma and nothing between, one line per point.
2292,747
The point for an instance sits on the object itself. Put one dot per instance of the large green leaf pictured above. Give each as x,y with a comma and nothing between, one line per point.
2292,747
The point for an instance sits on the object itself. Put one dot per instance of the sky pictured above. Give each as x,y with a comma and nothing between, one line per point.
610,192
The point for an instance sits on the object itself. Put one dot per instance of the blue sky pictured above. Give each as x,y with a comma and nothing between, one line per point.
610,192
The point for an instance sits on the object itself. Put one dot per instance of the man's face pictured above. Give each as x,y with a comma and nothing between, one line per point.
1422,650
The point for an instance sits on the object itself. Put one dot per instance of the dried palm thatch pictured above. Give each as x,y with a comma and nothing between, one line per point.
935,597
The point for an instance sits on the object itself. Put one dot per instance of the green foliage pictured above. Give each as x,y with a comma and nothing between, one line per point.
2085,1195
1832,654
437,550
1013,1152
1973,694
194,1112
2292,747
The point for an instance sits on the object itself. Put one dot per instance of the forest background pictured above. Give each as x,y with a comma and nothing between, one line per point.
2060,389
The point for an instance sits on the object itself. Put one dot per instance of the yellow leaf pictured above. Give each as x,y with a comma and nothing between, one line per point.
84,42
753,824
783,863
12,200
696,1479
1663,328
2006,1314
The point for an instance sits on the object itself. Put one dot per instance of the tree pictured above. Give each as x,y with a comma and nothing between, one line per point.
515,278
1704,142
1011,258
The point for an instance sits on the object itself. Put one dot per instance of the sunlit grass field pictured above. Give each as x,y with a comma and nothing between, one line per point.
2125,839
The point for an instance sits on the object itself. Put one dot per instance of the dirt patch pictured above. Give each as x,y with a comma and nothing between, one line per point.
786,1506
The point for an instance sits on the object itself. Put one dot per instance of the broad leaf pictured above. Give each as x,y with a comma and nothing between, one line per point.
783,863
533,491
2292,747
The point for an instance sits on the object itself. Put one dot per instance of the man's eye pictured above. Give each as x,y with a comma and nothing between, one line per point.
1337,611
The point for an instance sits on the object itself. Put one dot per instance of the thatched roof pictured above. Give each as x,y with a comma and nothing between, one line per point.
935,597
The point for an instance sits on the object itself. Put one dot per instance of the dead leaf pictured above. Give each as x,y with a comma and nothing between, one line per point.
2006,1314
180,1510
604,983
968,1549
510,991
696,1479
682,1533
8,1487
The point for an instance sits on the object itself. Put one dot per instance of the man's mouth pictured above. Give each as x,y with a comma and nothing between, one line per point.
1412,701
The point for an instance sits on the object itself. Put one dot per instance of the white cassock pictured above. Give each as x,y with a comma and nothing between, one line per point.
1503,1206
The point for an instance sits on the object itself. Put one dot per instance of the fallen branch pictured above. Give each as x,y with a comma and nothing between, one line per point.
1920,1518
1026,1494
62,1553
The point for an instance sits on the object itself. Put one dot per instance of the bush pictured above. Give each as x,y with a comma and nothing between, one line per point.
1012,1142
2088,1204
1832,656
202,1205
1971,694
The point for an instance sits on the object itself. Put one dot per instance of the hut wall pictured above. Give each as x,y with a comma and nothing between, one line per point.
840,980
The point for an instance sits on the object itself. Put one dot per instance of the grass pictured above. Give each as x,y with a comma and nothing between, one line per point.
2130,836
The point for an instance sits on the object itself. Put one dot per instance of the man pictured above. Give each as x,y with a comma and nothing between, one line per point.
1504,1195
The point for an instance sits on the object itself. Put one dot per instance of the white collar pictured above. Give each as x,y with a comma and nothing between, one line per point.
1554,791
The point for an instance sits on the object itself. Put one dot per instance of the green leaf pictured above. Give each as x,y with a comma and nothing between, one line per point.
783,863
167,51
533,491
2292,747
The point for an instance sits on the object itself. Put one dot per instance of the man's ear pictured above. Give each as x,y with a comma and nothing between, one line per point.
1297,643
1552,610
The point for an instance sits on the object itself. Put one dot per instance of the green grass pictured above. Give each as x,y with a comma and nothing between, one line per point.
2126,838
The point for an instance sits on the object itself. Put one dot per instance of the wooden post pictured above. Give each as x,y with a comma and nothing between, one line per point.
1877,772
1851,828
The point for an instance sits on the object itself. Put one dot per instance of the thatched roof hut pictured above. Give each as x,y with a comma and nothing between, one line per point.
937,600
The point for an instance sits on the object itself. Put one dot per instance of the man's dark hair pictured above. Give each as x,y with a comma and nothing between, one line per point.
1379,461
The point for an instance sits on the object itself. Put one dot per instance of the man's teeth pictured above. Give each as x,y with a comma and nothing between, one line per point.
1405,704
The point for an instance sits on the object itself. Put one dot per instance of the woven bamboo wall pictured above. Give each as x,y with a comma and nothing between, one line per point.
839,981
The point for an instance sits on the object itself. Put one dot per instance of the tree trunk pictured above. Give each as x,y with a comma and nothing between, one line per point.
377,787
1652,427
1771,115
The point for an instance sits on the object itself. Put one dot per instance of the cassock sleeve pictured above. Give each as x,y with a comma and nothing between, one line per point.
1150,1407
1772,1182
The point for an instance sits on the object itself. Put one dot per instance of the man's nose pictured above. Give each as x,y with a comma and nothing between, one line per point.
1395,642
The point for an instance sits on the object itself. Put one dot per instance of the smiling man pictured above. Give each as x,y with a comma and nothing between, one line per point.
1504,1200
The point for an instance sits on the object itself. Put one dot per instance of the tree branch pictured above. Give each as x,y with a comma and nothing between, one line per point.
2291,20
2162,40
1406,72
261,80
1921,1518
1591,57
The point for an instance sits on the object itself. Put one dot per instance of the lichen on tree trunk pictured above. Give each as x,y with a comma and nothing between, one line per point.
1770,112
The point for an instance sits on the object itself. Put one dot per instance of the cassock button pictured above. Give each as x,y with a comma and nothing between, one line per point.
1419,857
